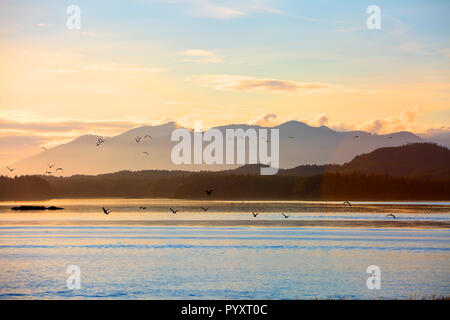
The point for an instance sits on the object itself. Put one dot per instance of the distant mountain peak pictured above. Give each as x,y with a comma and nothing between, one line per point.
291,123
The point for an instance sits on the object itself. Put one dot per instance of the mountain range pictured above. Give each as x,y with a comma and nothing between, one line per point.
300,144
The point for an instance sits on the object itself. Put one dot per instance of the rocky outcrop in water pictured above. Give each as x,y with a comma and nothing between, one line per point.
27,208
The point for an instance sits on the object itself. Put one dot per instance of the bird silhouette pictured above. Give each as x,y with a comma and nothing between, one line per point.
284,215
347,202
146,153
58,169
173,210
100,141
10,169
142,208
209,191
205,208
291,137
106,210
255,214
44,148
390,214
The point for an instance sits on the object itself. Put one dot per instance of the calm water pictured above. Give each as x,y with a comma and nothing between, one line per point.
137,262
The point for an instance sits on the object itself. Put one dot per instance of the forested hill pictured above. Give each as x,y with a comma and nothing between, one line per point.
420,160
411,172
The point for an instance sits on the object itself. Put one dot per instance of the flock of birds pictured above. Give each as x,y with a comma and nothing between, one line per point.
209,192
47,172
99,142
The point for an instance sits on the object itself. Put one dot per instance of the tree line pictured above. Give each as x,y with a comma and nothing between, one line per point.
326,186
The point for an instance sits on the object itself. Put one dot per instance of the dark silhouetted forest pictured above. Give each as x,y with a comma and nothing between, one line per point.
328,186
411,172
25,188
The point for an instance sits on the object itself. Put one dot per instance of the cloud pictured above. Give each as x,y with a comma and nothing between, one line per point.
51,53
119,68
198,53
314,120
208,10
265,120
60,70
103,67
223,10
251,84
43,24
205,60
202,56
406,121
410,115
62,126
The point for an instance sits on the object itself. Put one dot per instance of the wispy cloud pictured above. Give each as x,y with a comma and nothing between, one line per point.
224,10
8,125
208,10
202,56
406,121
267,119
60,70
43,24
103,67
119,68
252,84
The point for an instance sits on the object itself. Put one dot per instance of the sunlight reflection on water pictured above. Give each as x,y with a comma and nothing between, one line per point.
214,262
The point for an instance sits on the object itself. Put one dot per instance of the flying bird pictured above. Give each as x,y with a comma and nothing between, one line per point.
347,202
142,208
255,214
284,215
44,148
205,208
390,214
209,191
100,141
173,210
106,210
146,153
10,169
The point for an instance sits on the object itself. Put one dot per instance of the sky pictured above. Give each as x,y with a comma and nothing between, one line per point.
136,62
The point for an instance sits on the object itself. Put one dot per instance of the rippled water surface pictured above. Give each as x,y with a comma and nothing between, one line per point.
180,262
